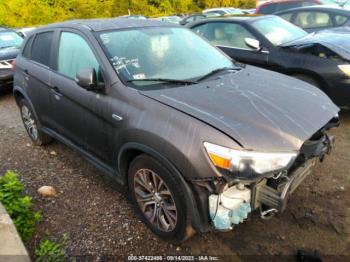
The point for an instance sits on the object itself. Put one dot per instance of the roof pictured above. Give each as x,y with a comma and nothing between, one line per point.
334,9
109,24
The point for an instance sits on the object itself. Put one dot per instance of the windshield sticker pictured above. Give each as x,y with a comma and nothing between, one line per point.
139,76
122,62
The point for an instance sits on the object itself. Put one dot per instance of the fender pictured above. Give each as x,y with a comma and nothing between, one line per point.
141,148
17,91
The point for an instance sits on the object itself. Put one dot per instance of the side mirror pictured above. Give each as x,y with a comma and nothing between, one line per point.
87,79
253,43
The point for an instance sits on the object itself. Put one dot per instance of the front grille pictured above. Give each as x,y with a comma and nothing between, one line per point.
6,64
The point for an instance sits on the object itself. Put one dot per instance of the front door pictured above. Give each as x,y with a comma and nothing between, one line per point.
231,38
78,114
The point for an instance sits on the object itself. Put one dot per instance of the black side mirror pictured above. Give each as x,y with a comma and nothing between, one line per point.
87,79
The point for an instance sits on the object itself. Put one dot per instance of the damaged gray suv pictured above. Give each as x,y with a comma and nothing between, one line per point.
199,140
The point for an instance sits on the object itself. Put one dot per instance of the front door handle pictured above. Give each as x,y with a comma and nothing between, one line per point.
56,91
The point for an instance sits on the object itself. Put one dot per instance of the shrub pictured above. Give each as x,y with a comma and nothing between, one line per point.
19,207
49,251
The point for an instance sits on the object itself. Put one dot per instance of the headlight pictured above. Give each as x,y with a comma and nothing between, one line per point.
345,69
237,160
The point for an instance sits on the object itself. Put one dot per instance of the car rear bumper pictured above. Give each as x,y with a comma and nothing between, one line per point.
6,78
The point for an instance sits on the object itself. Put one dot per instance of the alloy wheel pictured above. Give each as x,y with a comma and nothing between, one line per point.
29,122
155,200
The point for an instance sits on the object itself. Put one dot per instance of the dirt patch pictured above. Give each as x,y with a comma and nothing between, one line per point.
100,221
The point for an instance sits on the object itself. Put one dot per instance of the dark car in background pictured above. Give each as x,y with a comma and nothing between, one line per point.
316,18
322,59
10,42
273,6
195,17
198,140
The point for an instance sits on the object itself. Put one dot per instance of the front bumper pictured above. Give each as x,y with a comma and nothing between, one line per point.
270,194
276,198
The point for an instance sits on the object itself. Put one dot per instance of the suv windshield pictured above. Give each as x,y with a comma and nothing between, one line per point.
10,39
278,31
161,53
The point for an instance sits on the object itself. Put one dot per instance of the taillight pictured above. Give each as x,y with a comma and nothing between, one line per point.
13,64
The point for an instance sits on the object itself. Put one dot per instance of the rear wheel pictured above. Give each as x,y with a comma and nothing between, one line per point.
158,196
31,125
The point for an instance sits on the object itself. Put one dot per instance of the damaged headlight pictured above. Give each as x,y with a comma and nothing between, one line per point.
237,160
345,69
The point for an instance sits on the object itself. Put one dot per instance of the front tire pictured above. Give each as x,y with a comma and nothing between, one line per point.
158,196
31,125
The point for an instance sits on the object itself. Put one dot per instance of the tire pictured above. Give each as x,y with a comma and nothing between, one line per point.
31,125
144,173
308,79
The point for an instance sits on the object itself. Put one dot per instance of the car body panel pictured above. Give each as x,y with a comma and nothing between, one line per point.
271,122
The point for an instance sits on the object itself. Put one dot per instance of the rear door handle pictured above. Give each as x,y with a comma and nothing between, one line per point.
26,74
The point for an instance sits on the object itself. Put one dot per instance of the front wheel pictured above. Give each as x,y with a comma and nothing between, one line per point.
159,198
31,125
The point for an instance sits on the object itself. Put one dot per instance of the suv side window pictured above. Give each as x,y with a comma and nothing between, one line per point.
41,48
225,34
74,53
340,20
313,20
27,47
287,16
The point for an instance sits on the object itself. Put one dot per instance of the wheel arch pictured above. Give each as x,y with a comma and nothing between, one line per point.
19,94
318,78
131,150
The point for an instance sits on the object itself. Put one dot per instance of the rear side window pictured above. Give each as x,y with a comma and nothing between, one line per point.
287,16
74,54
41,48
313,20
340,20
27,47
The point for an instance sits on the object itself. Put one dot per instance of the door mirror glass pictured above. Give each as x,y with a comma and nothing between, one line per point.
87,78
253,43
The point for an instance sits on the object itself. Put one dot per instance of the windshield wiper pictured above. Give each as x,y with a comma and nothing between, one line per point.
172,81
218,71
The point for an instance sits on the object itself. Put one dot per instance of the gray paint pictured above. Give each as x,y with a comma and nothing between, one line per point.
262,110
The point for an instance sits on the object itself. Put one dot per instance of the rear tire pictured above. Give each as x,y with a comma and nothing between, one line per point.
158,196
31,125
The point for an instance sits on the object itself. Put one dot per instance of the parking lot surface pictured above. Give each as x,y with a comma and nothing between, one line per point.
100,221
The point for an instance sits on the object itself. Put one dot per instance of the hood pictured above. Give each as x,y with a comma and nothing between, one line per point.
337,40
8,53
261,110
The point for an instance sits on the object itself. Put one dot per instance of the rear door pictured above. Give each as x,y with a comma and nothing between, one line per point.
79,114
230,38
35,67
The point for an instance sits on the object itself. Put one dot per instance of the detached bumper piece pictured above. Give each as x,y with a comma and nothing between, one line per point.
230,208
